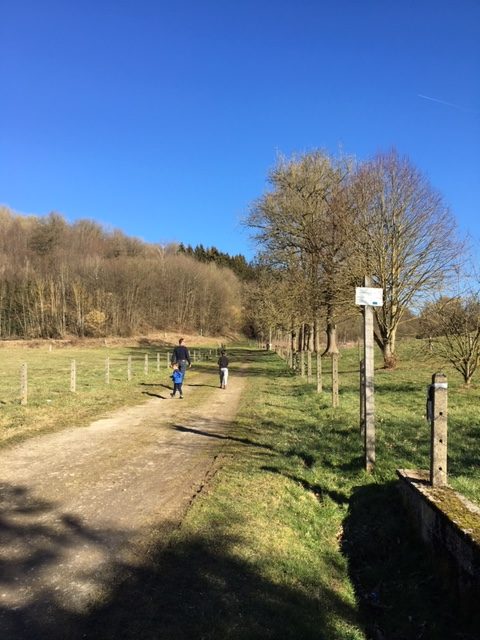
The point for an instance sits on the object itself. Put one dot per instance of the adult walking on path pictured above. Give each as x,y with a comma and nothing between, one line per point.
181,356
81,509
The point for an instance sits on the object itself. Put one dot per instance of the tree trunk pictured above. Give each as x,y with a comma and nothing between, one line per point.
332,346
317,352
308,338
388,350
300,337
292,339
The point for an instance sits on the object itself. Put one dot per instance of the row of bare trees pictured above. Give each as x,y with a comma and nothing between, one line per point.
59,279
325,223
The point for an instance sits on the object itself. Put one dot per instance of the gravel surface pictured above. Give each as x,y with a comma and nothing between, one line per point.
79,508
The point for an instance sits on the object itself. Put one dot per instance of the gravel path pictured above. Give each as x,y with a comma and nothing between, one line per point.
81,507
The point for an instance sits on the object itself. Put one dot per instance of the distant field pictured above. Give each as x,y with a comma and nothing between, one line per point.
402,431
51,405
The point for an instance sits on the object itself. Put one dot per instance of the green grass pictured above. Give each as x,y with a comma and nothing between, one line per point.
292,539
295,540
52,406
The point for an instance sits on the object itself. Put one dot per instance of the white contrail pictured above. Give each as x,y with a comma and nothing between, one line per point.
449,104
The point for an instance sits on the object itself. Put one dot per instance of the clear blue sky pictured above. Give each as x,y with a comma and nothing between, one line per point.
164,118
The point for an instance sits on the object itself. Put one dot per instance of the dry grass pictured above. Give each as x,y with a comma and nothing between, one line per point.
52,406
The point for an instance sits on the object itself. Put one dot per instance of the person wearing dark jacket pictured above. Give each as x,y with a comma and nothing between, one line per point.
223,370
181,357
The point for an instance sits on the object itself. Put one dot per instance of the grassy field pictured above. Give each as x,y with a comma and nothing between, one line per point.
292,540
295,540
52,406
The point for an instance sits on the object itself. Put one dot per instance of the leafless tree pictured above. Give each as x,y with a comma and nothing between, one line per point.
407,242
453,329
302,226
59,279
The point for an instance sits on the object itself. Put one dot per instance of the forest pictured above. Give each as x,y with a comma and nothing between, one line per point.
323,224
60,279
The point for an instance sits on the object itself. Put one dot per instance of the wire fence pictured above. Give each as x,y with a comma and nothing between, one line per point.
41,375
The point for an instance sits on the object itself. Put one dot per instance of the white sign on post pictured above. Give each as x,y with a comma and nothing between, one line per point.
369,296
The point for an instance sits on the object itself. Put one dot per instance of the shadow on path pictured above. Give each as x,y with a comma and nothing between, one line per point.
211,434
35,538
154,395
194,588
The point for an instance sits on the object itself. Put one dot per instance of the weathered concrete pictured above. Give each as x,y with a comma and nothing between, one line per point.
439,430
450,524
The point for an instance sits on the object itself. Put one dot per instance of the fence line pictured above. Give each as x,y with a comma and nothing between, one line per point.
39,379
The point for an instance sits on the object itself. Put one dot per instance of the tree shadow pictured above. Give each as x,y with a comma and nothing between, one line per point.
355,463
219,436
154,395
400,591
316,489
154,384
182,589
35,538
214,386
199,589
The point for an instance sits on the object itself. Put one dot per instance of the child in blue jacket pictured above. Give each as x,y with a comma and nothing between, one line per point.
177,377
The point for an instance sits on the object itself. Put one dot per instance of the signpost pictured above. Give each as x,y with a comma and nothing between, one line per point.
368,297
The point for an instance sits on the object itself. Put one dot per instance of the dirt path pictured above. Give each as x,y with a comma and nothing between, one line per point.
81,506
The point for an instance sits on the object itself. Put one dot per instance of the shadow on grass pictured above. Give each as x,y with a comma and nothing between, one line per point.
154,384
353,464
197,587
400,592
316,489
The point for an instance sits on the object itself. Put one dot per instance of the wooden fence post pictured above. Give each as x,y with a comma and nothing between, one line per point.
362,397
73,376
168,359
145,366
158,361
319,372
23,384
107,370
335,380
129,368
369,387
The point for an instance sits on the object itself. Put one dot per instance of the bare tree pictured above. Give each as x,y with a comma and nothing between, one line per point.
302,226
453,328
270,303
79,279
407,241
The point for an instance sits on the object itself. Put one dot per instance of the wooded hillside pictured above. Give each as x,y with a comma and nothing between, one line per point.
60,279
